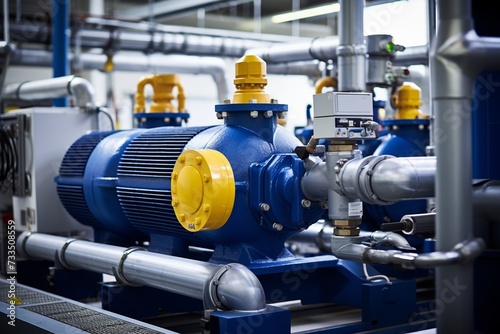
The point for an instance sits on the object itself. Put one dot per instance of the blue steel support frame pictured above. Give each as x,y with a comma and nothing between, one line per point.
60,43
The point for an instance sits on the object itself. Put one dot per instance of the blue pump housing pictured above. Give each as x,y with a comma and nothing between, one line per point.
124,185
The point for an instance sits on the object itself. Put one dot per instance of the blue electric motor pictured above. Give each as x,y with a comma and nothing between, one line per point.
235,187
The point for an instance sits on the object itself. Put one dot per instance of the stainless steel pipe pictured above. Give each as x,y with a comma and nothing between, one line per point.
212,66
163,39
375,179
81,89
320,235
226,287
351,52
350,248
457,56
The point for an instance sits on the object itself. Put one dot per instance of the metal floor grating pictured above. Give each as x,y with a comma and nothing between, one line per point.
88,320
49,313
27,297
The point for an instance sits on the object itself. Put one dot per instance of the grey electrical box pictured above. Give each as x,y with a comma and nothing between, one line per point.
343,115
48,134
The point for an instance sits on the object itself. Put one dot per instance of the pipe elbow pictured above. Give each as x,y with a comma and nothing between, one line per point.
393,239
235,287
83,92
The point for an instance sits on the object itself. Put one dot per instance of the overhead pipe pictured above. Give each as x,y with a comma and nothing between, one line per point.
80,88
320,48
222,287
379,180
146,27
157,41
458,55
313,68
215,67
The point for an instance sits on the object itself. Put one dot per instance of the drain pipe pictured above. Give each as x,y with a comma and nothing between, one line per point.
80,88
221,287
212,66
458,55
350,248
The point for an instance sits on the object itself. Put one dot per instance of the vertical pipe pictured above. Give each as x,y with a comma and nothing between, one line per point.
18,11
351,51
60,43
295,23
451,94
431,34
257,20
6,21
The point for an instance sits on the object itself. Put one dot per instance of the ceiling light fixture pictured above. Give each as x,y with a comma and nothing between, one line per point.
305,13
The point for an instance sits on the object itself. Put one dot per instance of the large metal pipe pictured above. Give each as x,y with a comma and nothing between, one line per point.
160,40
212,66
321,48
313,68
457,56
351,52
81,89
375,179
226,287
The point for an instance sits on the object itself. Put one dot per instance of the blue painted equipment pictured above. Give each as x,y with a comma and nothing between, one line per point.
234,188
121,184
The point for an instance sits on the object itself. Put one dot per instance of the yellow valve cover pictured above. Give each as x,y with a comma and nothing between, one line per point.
203,189
408,102
250,80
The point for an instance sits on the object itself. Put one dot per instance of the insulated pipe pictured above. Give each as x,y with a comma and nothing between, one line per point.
146,27
351,52
81,89
226,287
458,55
321,48
312,68
145,41
379,180
212,66
413,55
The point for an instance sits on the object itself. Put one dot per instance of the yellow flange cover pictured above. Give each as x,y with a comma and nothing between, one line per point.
203,189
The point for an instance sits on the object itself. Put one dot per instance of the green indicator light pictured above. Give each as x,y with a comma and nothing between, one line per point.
390,47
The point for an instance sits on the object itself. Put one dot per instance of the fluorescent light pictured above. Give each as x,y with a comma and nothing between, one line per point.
305,13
